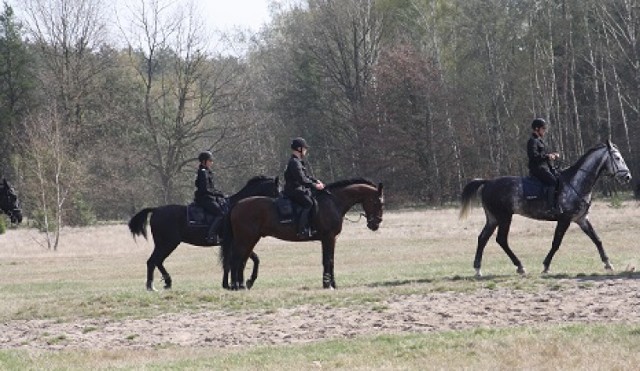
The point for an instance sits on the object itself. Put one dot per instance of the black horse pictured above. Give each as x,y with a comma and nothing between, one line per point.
504,196
169,227
257,217
9,203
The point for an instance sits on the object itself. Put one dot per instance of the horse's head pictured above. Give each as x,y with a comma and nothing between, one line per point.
615,164
9,202
373,205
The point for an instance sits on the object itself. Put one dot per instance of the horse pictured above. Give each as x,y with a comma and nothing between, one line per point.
504,196
257,217
9,203
169,227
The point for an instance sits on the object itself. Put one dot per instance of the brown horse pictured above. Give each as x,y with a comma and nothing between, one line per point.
256,217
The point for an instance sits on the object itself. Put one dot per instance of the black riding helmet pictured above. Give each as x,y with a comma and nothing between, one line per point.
205,155
538,123
298,143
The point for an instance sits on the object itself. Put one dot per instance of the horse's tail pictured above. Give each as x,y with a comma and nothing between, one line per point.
227,241
469,192
138,223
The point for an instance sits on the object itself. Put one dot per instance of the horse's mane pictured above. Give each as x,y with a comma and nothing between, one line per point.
574,168
258,179
348,182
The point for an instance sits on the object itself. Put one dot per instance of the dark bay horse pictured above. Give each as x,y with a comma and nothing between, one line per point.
9,203
169,227
256,217
502,197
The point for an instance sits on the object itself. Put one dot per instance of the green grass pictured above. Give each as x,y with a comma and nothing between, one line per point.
99,273
614,347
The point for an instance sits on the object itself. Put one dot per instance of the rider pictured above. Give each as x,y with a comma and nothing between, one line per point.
207,196
540,162
299,184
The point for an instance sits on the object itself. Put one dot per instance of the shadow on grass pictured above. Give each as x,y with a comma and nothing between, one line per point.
456,278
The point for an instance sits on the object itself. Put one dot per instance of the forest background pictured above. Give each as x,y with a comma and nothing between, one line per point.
422,95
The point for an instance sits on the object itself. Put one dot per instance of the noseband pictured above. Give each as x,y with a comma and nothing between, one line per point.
614,166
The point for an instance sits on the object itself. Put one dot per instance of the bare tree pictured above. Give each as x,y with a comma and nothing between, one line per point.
183,88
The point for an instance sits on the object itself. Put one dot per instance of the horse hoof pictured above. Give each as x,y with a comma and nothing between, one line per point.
478,273
249,284
150,288
521,271
608,267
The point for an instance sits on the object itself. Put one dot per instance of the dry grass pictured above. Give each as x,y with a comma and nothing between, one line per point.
100,272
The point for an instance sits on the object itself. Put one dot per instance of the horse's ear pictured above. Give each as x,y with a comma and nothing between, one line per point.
609,144
380,187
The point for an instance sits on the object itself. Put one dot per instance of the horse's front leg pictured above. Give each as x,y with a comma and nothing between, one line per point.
328,249
587,228
561,229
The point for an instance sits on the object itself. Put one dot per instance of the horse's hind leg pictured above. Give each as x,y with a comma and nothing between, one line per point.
160,253
483,238
501,238
254,274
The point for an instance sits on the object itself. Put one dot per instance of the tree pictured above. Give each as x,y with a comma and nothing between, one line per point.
15,85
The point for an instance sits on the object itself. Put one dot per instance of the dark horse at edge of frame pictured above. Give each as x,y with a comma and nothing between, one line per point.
503,196
169,227
9,203
257,217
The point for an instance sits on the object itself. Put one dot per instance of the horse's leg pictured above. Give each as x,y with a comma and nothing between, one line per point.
151,266
328,249
587,228
501,238
483,238
254,273
166,251
561,229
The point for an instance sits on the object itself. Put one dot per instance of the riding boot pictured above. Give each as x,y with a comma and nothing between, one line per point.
212,234
303,224
552,201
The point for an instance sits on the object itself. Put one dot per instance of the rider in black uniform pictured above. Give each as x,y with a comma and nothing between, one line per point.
299,184
540,162
207,196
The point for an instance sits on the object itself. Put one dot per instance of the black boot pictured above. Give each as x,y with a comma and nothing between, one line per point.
212,234
552,200
303,224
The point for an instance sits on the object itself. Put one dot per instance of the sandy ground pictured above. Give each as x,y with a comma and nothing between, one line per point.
611,300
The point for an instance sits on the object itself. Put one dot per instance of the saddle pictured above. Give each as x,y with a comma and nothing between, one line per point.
533,188
199,217
289,211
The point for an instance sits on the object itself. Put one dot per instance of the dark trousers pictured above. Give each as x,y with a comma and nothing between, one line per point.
214,208
550,180
305,200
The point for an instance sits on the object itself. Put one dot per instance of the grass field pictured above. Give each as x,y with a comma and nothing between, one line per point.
99,273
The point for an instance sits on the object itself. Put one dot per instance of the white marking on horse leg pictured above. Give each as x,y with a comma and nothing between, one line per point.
478,273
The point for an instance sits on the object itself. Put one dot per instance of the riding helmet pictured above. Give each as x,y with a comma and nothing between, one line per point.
538,123
205,155
299,142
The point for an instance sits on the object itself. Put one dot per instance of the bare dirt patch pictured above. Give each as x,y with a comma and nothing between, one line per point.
599,300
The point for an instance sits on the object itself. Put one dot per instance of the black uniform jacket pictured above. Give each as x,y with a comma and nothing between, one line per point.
537,152
297,177
205,189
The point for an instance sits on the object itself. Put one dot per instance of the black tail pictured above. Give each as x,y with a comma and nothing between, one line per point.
227,241
469,193
138,224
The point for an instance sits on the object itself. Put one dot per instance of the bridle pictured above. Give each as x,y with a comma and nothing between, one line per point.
615,171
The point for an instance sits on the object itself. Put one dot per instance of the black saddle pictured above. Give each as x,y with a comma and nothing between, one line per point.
199,217
533,188
288,211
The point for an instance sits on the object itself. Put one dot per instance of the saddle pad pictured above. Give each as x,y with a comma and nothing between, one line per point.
197,216
286,210
532,188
